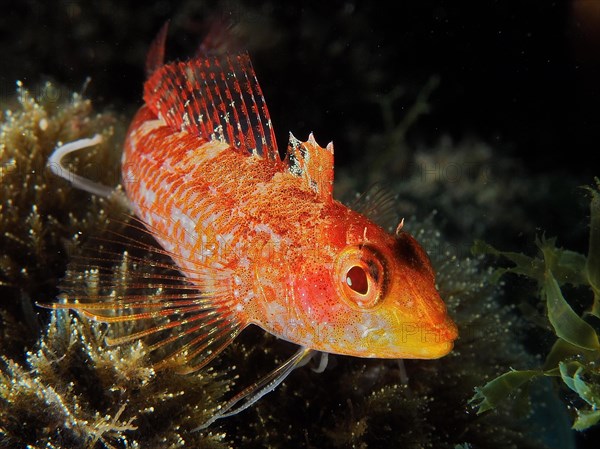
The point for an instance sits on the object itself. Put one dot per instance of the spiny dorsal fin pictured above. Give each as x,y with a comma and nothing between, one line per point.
156,55
215,98
312,163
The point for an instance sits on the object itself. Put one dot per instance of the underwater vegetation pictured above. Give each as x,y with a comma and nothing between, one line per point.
574,357
38,226
72,390
61,386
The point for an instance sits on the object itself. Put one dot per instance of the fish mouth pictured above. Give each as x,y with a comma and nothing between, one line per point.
412,341
446,333
432,351
430,342
421,351
416,351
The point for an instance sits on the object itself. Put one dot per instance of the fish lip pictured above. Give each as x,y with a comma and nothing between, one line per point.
446,333
437,341
433,350
437,350
421,351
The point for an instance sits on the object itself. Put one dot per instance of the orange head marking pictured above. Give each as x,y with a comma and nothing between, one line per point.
377,297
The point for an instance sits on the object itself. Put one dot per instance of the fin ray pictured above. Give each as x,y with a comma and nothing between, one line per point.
256,391
215,98
379,204
136,288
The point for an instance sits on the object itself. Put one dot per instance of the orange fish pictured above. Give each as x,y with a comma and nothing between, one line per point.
258,239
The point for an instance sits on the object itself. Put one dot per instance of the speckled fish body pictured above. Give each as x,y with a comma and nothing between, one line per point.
263,237
254,238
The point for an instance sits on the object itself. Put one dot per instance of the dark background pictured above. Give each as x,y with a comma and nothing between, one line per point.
520,75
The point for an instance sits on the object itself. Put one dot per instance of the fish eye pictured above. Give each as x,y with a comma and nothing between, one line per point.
359,277
356,278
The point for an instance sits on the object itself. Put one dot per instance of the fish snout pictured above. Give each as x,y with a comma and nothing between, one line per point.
422,327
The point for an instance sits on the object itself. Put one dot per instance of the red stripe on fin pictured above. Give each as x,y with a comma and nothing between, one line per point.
215,98
313,164
156,54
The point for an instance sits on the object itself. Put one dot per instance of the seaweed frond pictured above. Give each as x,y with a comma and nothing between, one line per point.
575,354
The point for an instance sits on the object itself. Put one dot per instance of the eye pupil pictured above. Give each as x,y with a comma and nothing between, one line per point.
356,278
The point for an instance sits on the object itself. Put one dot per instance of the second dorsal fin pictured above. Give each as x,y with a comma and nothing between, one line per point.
215,98
312,163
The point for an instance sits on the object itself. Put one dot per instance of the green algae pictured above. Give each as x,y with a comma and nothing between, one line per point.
575,354
85,394
73,390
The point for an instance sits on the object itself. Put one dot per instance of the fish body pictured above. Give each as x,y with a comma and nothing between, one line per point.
263,235
253,238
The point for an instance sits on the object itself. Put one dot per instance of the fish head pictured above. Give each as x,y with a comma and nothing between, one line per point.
382,301
390,282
